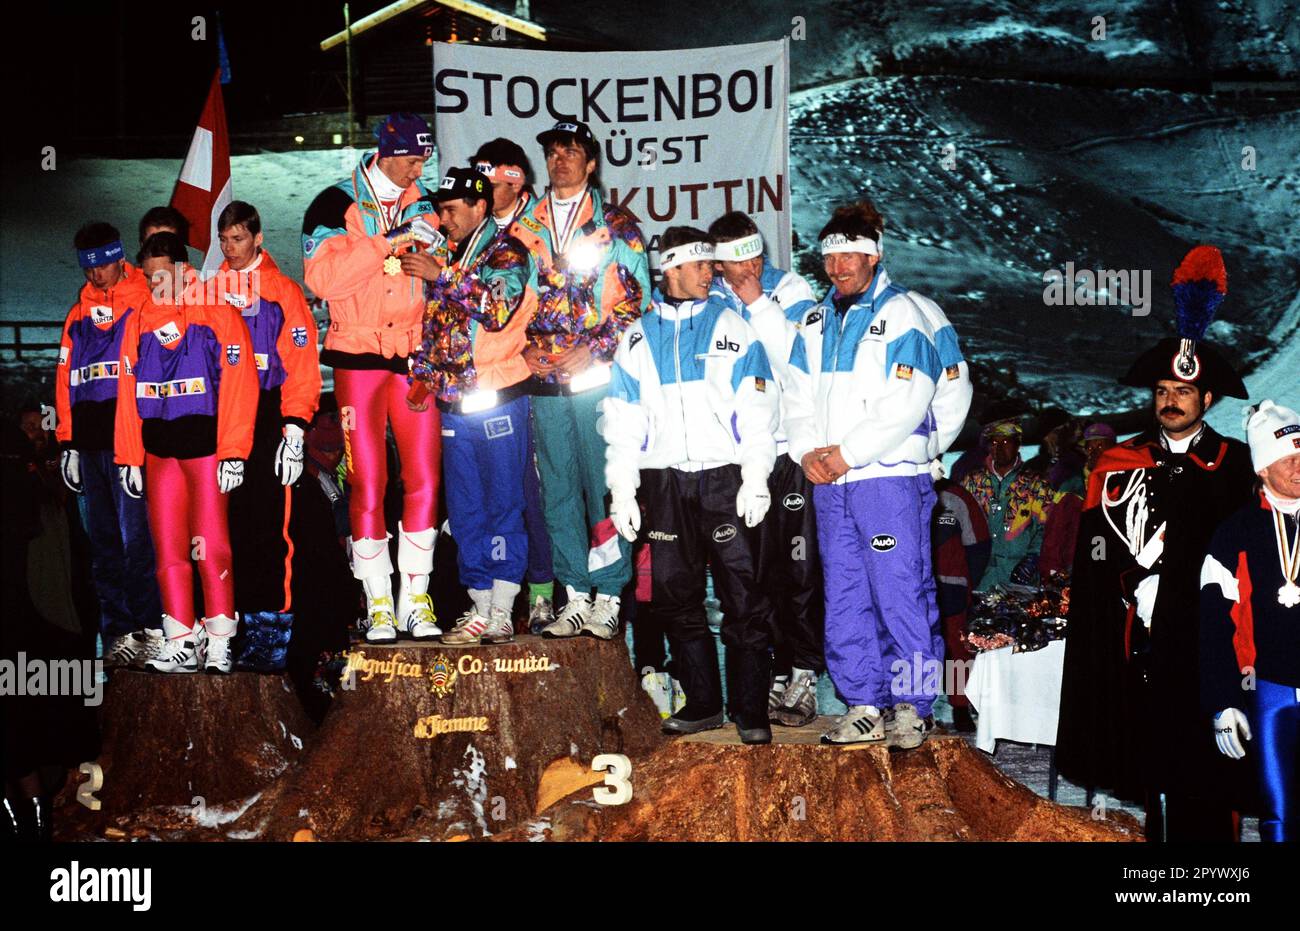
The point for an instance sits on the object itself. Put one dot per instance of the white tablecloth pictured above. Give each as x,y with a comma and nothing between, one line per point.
1017,695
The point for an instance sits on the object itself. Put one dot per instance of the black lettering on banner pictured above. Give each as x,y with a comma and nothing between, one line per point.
736,105
487,79
440,85
589,104
510,96
663,96
619,135
670,148
550,98
626,99
702,95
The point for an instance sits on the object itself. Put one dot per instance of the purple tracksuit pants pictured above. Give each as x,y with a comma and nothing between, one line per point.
883,639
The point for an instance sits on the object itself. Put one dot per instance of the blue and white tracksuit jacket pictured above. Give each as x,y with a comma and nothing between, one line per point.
774,316
690,388
885,382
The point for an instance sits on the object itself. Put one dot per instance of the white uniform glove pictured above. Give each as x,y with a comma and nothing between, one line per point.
625,514
230,475
1145,597
424,233
132,480
288,458
936,469
1230,726
70,464
752,502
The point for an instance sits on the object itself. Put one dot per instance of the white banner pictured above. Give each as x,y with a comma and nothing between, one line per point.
685,135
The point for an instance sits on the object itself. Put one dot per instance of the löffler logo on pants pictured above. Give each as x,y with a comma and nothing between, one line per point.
883,542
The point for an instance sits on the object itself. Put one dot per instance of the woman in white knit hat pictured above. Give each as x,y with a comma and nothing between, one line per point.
1250,623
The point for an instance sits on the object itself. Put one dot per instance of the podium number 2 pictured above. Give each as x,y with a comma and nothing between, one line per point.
618,779
86,791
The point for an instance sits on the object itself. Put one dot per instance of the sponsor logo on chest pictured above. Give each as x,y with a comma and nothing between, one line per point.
100,315
168,333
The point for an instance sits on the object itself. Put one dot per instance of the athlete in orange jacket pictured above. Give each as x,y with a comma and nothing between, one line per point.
357,242
283,332
188,366
85,391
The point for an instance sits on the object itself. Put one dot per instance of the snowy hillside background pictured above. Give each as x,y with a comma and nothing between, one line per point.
1062,148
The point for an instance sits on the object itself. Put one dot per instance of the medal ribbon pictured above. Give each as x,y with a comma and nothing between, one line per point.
1288,551
474,238
560,241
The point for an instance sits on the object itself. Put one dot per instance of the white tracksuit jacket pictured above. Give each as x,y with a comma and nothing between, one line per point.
691,388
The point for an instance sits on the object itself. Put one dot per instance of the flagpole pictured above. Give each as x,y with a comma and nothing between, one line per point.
347,28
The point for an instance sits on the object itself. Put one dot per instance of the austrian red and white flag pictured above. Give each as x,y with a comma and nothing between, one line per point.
203,189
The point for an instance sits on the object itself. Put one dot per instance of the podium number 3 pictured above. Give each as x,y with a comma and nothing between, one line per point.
618,779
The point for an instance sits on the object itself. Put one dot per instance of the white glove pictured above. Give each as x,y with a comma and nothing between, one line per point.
70,463
423,232
230,475
132,480
1145,598
752,502
288,458
936,470
625,514
1230,726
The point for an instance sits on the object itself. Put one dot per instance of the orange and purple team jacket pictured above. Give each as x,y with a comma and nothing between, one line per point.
187,382
283,332
375,319
86,379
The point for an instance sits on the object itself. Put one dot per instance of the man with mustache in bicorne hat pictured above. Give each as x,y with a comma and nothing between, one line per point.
1131,720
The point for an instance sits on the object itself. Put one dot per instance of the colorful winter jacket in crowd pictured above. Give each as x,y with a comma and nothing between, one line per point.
878,380
774,316
691,389
476,317
375,318
589,295
190,371
1244,624
1017,506
86,380
283,333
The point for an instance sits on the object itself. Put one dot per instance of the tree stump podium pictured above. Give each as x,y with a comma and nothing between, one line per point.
709,787
183,751
428,741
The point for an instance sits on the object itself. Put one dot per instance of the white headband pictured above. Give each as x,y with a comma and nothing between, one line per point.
738,250
838,242
686,252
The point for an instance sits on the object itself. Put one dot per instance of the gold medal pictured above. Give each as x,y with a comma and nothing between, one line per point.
392,265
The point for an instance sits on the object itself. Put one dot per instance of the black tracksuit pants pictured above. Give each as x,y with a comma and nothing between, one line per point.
790,571
691,522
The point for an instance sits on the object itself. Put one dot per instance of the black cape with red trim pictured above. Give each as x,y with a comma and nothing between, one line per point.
1131,719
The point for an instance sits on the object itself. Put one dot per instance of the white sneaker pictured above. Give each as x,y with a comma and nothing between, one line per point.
659,686
571,620
417,617
381,626
862,724
501,628
179,655
602,619
131,650
469,629
216,651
